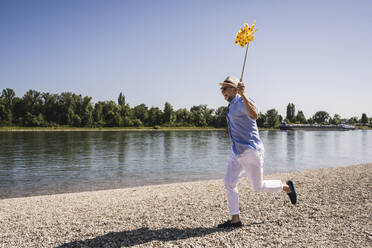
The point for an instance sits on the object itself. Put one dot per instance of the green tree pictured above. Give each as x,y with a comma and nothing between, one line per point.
121,100
137,123
85,111
31,120
183,117
141,112
272,118
169,115
310,120
364,119
210,117
49,108
8,96
155,116
126,114
353,120
18,111
220,117
300,117
68,108
336,119
111,114
201,116
291,112
321,117
98,116
3,113
261,120
32,108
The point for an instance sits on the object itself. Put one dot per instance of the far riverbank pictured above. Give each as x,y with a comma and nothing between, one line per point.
38,129
156,128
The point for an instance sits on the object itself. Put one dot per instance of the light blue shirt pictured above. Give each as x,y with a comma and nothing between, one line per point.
242,128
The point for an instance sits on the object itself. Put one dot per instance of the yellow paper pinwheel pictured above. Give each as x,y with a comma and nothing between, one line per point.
245,35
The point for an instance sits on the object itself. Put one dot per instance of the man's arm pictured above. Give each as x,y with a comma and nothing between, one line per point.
249,106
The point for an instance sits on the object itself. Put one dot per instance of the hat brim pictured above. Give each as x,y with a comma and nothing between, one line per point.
228,84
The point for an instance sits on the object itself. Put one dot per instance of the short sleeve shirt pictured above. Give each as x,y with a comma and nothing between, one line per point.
242,128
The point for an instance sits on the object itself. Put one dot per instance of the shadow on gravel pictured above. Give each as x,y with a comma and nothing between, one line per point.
141,236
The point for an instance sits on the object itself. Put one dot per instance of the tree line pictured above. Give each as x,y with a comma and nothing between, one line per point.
323,117
37,109
272,119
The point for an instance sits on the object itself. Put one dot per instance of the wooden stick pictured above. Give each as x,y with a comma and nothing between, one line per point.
245,58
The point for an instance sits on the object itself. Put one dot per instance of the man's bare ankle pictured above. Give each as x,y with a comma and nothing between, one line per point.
286,189
235,219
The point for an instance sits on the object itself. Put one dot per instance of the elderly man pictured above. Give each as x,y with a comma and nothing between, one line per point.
247,150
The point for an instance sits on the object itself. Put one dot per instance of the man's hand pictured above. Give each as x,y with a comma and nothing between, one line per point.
250,107
241,88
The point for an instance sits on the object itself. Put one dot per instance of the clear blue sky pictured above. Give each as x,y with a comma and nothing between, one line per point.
315,54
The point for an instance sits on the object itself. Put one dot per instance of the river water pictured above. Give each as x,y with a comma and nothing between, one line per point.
37,163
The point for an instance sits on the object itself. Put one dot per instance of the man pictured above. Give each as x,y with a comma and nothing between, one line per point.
247,150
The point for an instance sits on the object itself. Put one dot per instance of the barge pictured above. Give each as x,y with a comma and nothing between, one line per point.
316,127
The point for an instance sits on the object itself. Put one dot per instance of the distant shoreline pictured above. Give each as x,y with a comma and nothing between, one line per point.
64,129
56,129
52,129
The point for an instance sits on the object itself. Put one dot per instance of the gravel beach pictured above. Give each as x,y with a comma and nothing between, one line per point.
334,210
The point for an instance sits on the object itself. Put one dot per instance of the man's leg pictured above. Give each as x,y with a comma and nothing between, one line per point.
231,179
253,165
252,161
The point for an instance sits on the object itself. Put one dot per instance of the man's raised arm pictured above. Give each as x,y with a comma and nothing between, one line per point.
250,107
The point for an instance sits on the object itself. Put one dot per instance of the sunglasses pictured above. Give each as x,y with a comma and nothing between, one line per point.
225,88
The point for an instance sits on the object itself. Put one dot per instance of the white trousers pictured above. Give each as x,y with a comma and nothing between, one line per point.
249,164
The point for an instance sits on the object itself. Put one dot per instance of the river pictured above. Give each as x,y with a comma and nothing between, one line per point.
37,163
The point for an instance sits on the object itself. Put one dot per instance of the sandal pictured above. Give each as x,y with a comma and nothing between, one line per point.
292,195
228,224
